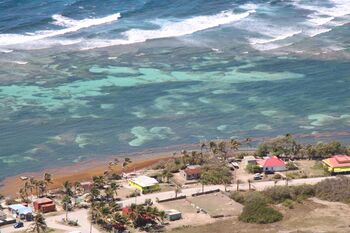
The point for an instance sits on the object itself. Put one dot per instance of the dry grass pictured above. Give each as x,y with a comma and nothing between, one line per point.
311,168
308,217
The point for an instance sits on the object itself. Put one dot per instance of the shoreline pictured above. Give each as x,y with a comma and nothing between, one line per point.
85,170
82,171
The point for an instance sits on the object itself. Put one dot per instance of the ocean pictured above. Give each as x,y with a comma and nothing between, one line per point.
84,79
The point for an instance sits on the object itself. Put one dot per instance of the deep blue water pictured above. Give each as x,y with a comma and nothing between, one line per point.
85,79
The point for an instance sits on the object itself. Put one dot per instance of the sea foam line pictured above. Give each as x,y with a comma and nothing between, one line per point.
71,26
172,29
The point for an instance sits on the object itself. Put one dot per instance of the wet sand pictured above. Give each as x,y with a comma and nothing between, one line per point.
83,171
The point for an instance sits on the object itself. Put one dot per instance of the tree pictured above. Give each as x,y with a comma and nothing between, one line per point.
177,190
99,181
1,198
66,202
283,145
39,224
217,173
47,180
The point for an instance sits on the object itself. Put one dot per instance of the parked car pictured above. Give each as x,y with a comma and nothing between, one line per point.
18,225
257,176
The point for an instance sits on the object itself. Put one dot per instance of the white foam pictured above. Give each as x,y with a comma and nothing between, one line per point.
20,62
254,41
317,31
6,51
72,26
172,29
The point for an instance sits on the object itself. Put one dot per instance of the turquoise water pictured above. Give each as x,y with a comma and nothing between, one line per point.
84,79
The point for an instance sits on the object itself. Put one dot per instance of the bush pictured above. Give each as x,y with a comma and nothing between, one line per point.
277,176
251,168
237,196
278,194
11,201
291,166
257,211
288,203
334,189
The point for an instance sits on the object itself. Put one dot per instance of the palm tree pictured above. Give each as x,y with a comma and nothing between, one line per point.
177,190
47,179
126,162
167,174
39,224
238,182
33,184
99,181
249,184
66,201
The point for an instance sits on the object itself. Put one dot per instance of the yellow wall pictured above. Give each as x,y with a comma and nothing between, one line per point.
149,189
335,169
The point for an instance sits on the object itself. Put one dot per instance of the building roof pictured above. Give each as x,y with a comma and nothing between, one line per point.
21,209
249,158
193,169
144,181
43,200
16,207
338,161
172,211
25,210
271,162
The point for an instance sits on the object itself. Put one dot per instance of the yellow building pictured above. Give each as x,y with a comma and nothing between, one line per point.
145,184
337,164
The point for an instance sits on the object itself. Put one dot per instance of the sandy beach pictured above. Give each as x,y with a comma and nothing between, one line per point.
82,171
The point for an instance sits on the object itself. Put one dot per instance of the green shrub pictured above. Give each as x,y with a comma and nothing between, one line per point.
257,211
237,196
278,193
251,168
277,176
291,166
288,203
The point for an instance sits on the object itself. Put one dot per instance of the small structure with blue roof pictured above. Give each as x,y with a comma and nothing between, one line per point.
22,211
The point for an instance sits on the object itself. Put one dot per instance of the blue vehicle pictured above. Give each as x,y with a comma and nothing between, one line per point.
18,225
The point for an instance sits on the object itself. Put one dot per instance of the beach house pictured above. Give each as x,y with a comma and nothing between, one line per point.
145,184
272,164
337,164
192,172
44,205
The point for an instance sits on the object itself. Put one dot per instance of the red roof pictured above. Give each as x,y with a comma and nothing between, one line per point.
339,161
43,200
271,162
192,170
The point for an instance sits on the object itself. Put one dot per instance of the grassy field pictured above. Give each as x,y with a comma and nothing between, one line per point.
309,217
311,168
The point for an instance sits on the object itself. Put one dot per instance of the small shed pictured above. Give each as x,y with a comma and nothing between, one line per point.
173,215
44,205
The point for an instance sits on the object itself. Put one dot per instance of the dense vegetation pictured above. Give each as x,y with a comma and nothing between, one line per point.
288,147
256,210
334,189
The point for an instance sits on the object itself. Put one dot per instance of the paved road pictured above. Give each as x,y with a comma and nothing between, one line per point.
258,185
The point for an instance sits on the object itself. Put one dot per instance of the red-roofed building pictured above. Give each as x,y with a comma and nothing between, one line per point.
192,172
337,164
44,205
272,164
